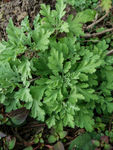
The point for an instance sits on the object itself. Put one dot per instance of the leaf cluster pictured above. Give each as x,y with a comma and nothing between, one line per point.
46,70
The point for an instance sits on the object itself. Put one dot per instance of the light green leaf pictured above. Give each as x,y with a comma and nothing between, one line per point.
52,139
67,66
11,143
24,69
24,95
56,61
37,112
64,27
80,142
25,25
51,122
60,6
87,122
106,5
16,35
110,107
41,39
28,148
76,24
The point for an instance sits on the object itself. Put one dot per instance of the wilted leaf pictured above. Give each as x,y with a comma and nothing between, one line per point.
59,146
19,116
105,139
2,135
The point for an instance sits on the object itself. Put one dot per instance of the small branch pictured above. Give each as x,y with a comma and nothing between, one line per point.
97,21
110,52
32,80
94,41
87,35
110,123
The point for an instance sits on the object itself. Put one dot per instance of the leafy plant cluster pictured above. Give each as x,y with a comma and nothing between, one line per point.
92,141
92,4
46,70
83,4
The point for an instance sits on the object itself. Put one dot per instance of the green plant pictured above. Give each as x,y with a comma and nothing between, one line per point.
91,141
82,4
47,71
84,142
106,5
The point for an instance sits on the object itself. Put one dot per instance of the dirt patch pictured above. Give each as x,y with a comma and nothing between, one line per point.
17,10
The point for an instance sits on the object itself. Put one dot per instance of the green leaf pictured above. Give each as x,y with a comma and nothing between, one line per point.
28,148
86,123
60,6
24,68
62,134
8,77
25,25
85,16
24,95
37,112
51,122
56,61
41,39
48,22
67,66
80,142
37,93
11,143
36,21
76,24
52,139
89,63
52,20
110,107
64,27
16,35
45,10
106,5
74,96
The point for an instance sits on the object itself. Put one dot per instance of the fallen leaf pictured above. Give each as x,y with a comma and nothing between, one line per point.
18,116
58,146
2,135
105,139
21,16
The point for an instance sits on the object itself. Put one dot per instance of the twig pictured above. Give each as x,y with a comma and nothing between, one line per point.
32,80
87,35
21,139
36,148
96,22
110,52
49,146
110,123
94,41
